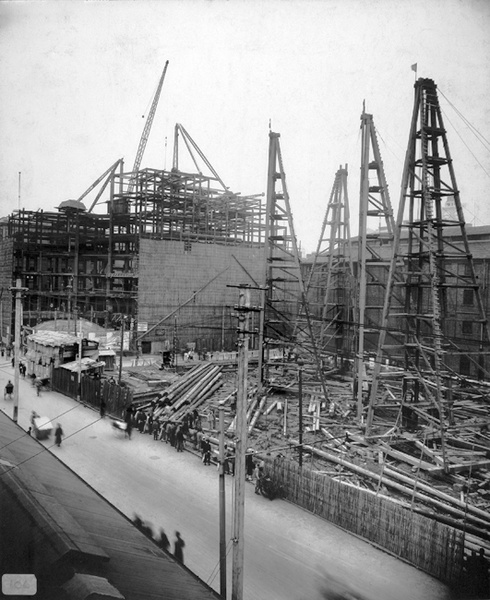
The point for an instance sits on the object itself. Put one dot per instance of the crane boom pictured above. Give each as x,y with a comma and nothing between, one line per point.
146,130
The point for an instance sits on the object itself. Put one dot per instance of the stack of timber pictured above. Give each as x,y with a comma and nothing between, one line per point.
187,394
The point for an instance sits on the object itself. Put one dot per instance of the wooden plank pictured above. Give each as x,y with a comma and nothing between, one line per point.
459,468
420,464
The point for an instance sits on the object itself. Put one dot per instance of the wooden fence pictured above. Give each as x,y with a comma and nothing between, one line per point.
92,390
431,546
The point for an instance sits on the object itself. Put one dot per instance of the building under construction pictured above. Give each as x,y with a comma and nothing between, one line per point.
160,260
402,309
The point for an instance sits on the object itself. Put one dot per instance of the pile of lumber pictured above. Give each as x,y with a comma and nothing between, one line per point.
188,393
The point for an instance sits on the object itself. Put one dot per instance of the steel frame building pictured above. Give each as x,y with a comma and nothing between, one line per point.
78,262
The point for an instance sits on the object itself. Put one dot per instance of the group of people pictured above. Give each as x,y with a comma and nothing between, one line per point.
162,428
477,577
190,430
162,539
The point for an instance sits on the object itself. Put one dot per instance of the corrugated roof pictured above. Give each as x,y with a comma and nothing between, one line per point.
137,568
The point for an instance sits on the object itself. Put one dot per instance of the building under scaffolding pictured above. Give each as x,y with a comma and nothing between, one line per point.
166,237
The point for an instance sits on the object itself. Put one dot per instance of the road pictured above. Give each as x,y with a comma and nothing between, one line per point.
288,551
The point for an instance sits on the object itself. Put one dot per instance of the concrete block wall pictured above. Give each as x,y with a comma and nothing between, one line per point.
171,271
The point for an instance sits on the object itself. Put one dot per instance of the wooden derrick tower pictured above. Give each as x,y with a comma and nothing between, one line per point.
284,294
376,227
330,280
437,289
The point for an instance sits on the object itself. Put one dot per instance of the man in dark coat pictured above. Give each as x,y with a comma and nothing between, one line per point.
58,434
163,540
128,418
179,548
179,439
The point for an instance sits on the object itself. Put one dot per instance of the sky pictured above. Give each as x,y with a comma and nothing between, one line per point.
77,80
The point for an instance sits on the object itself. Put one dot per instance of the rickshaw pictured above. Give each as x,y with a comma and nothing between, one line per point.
41,426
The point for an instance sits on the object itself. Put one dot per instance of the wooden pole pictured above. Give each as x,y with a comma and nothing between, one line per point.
222,504
448,504
121,351
18,320
80,342
241,445
223,328
300,415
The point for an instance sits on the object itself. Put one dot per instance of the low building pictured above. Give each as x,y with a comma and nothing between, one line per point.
49,350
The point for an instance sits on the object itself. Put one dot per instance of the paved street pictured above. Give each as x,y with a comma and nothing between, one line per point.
287,550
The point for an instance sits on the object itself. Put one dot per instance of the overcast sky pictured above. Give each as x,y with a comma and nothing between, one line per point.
77,77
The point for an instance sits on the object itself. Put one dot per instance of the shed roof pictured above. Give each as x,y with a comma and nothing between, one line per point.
86,364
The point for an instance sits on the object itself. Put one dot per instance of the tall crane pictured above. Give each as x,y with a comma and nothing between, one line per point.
146,131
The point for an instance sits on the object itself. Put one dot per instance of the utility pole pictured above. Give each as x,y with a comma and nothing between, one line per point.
17,290
121,350
69,289
241,443
222,505
80,341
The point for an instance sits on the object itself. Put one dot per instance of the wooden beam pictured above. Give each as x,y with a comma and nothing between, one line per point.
411,460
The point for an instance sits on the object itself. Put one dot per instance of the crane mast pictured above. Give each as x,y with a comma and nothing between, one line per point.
146,131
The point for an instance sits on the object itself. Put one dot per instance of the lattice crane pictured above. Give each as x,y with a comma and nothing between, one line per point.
146,131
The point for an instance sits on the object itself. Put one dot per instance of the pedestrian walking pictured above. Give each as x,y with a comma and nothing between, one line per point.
102,408
128,418
163,541
141,420
198,439
9,390
259,475
249,464
149,424
179,548
168,431
179,439
58,434
173,429
162,434
229,461
206,451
